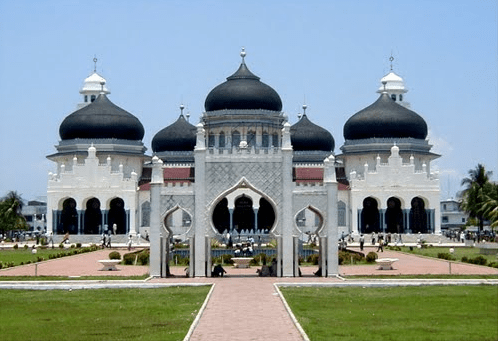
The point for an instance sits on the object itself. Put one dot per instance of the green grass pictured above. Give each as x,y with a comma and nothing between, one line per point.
397,313
102,314
469,252
25,255
427,276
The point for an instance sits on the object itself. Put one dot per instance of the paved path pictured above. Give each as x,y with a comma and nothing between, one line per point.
244,306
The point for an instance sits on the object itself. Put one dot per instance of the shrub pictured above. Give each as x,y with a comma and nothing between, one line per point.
371,257
114,255
143,257
1,264
25,246
16,246
61,246
465,259
129,258
78,245
73,246
445,255
255,260
39,259
313,259
479,260
493,264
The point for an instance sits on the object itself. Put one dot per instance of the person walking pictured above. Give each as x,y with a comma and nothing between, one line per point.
362,242
381,244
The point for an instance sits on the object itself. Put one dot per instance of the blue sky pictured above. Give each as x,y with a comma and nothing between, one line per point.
156,55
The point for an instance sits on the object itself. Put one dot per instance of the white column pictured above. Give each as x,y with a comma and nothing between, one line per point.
200,200
330,183
156,184
286,215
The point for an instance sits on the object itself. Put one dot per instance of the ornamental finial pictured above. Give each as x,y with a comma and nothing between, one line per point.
243,54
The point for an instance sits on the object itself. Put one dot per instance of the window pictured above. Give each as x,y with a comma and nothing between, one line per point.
445,219
235,139
401,97
86,98
393,96
463,220
92,98
274,140
444,207
251,139
221,140
211,140
265,140
341,213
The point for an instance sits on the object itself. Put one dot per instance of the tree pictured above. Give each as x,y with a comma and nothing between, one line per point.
11,217
473,193
490,206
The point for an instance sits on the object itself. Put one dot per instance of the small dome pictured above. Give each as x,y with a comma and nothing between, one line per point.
94,83
385,118
101,119
179,136
243,90
305,135
393,83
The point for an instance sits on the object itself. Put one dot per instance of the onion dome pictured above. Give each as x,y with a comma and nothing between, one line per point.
179,136
243,90
305,135
385,118
101,119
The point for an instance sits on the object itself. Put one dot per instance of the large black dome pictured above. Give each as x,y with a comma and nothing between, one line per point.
101,119
305,135
179,136
385,118
243,90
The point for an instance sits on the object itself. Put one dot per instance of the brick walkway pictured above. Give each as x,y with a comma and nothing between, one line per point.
244,306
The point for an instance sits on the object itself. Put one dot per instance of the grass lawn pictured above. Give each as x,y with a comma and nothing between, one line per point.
25,255
397,313
469,252
101,314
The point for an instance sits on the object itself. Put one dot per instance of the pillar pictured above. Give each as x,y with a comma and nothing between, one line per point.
330,182
200,200
155,216
287,226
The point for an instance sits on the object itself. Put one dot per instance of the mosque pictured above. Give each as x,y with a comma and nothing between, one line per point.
243,170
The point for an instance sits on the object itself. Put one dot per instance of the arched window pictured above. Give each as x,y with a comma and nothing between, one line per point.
211,140
92,98
370,216
265,142
145,214
401,97
393,96
251,139
86,98
235,139
274,140
394,216
341,213
221,140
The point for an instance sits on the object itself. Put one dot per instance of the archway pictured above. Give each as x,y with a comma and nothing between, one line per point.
394,216
370,216
175,235
243,215
221,217
117,215
418,216
93,217
69,218
308,246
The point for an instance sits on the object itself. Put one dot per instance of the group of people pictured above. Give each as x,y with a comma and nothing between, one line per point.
268,271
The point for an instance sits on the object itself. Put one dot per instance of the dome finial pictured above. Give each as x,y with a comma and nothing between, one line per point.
95,63
243,55
181,109
391,60
102,83
384,84
304,109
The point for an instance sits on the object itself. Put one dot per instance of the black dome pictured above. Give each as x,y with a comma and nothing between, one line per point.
305,135
101,119
385,118
243,90
179,136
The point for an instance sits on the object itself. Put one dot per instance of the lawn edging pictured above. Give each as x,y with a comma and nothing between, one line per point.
291,314
199,315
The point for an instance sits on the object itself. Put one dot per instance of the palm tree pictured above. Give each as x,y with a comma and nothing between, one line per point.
490,207
473,193
11,217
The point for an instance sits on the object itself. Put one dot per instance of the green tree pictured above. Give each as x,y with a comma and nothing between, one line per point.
11,217
490,206
474,191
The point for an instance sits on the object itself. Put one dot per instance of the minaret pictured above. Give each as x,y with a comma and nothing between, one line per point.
395,86
92,87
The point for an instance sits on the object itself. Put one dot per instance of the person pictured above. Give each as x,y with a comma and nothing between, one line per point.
114,228
265,270
129,242
381,244
273,268
103,240
51,239
362,242
146,235
218,271
109,240
138,238
373,238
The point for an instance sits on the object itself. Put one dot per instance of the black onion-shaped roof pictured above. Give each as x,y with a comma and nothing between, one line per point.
243,90
385,118
179,136
305,135
101,119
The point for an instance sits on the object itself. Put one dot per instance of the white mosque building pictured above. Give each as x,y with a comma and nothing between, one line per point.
244,169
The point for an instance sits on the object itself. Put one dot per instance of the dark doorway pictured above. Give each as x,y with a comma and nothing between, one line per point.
117,215
418,216
266,215
221,217
394,216
69,218
370,216
93,217
243,215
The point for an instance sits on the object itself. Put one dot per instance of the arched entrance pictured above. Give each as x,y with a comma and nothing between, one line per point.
308,247
243,215
370,216
221,217
418,216
93,217
175,233
69,218
117,215
394,216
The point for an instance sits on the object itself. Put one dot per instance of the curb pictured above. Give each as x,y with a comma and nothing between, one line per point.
291,314
199,315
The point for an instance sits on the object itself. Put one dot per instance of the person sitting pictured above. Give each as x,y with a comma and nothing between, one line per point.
273,268
265,270
218,271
